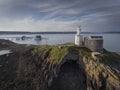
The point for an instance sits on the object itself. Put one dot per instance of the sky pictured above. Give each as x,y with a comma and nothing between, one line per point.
60,15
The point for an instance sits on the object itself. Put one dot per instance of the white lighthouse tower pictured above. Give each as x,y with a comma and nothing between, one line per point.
78,37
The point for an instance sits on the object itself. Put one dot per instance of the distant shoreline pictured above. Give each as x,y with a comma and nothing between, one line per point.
19,32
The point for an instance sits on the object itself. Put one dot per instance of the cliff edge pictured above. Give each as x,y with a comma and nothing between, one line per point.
63,67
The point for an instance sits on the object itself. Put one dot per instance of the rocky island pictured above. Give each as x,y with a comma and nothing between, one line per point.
58,67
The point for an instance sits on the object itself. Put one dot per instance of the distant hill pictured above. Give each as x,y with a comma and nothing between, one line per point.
20,32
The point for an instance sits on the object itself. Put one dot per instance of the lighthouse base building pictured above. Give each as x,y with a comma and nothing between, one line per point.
94,43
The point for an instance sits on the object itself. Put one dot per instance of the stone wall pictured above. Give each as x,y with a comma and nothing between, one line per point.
94,44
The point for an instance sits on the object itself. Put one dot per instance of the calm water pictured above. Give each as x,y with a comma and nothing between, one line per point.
111,41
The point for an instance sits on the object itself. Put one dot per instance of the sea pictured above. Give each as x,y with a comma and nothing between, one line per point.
111,40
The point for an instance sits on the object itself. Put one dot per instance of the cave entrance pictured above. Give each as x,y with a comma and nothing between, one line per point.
70,77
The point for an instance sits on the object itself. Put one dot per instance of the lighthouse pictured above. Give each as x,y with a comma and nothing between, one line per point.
78,37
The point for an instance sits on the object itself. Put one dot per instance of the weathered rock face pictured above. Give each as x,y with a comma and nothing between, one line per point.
70,77
53,68
100,76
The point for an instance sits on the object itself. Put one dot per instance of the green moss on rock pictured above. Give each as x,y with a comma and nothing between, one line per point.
110,58
85,52
56,54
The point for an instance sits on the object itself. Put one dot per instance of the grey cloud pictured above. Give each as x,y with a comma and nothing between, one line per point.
51,6
89,13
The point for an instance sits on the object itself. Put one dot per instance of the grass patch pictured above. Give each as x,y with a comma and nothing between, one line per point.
69,43
85,52
57,54
73,49
110,58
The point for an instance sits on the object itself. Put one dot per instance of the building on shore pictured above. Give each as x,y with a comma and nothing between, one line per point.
94,43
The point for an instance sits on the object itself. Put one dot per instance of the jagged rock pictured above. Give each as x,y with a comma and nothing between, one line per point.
51,68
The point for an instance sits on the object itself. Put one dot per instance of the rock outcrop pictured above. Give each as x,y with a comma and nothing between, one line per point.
54,68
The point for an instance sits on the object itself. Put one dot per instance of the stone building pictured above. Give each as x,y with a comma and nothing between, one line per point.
94,43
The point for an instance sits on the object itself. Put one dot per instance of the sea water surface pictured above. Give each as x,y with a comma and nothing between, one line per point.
111,41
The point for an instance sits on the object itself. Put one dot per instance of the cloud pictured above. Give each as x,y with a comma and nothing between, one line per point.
44,15
29,24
